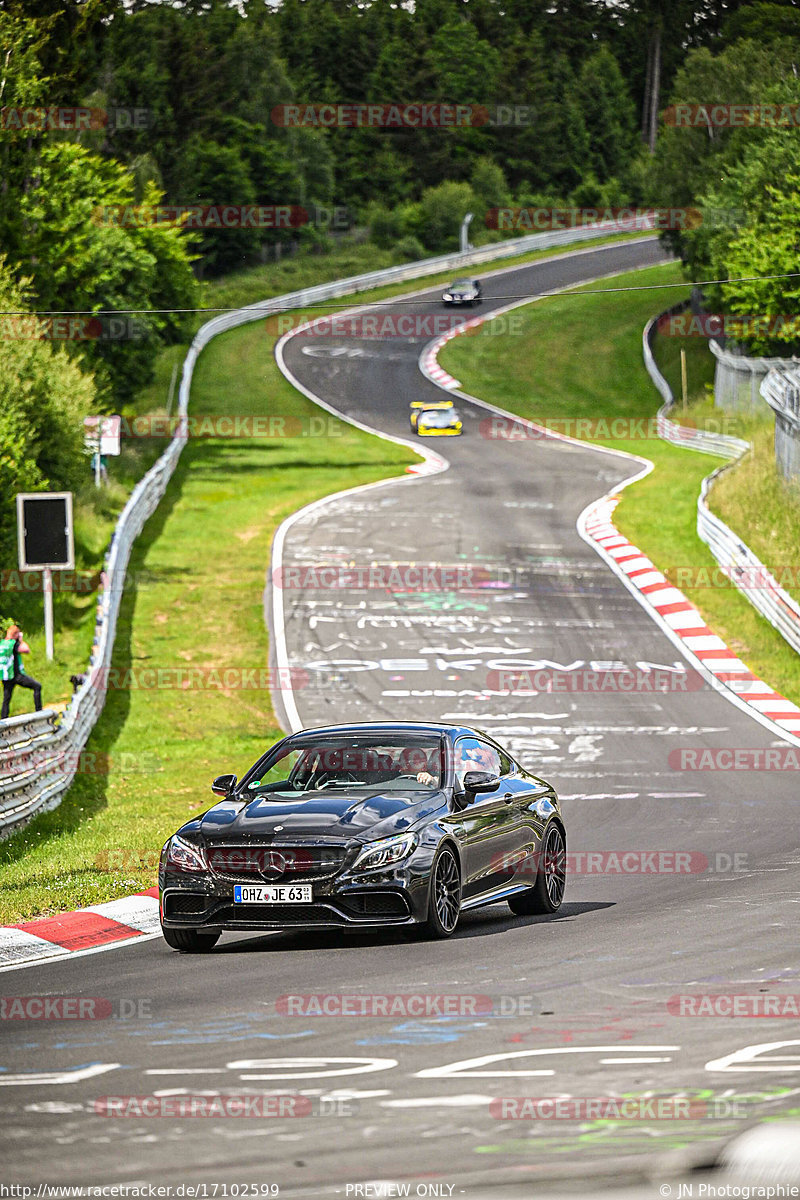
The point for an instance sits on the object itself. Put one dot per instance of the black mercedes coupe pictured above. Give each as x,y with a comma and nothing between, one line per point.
353,826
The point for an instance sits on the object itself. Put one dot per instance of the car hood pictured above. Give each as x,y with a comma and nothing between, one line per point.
345,816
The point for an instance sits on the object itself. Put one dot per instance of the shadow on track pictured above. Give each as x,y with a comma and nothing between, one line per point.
483,923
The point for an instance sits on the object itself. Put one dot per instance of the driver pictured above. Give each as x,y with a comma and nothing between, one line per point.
414,761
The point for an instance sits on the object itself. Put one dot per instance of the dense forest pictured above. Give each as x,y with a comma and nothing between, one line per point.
208,104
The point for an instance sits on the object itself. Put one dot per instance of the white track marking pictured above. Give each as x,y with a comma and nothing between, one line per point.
54,1078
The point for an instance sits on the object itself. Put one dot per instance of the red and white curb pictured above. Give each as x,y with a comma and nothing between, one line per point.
685,621
100,926
430,364
431,465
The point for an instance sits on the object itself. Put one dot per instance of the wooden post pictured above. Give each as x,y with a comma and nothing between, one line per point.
684,384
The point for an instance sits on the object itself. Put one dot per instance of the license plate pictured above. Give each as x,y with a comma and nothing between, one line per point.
272,893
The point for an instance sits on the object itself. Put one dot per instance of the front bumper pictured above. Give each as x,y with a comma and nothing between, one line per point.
397,896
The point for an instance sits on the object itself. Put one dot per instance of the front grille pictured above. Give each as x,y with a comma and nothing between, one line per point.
375,904
275,863
184,904
283,914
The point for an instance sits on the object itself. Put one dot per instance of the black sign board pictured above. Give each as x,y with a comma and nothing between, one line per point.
44,531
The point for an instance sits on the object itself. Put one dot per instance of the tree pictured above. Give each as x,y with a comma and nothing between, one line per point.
762,195
489,188
763,22
689,156
608,114
46,395
87,250
443,209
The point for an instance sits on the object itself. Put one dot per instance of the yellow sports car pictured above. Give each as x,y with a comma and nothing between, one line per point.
438,422
418,406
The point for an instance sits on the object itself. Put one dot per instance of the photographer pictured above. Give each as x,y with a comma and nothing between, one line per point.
11,673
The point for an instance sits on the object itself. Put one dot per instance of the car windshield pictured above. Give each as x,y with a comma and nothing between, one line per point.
439,417
462,283
380,763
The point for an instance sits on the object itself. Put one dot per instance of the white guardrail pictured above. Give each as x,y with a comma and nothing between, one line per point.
737,560
40,752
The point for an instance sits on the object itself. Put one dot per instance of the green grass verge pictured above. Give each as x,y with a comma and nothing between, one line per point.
198,570
699,366
752,498
579,357
96,512
194,600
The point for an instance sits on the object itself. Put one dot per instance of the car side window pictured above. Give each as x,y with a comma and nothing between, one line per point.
507,767
471,754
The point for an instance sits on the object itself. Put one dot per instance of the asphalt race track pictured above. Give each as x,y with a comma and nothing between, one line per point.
581,1004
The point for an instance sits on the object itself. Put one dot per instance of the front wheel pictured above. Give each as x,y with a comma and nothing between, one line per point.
444,905
190,941
547,893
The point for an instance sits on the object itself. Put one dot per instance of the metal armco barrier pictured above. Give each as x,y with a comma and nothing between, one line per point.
737,560
781,390
40,753
681,435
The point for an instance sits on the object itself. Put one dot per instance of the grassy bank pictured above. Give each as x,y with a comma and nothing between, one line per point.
194,601
580,358
755,500
96,512
752,498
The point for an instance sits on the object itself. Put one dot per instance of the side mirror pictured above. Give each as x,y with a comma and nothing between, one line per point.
480,781
223,785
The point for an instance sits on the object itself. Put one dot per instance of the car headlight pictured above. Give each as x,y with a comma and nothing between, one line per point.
185,856
447,296
385,853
